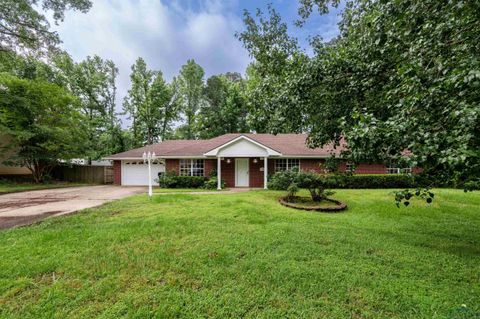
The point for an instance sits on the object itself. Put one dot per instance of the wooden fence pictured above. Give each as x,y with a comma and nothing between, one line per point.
84,174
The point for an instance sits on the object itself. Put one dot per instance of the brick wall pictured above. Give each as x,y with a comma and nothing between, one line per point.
255,174
210,165
117,172
228,172
315,165
365,168
172,165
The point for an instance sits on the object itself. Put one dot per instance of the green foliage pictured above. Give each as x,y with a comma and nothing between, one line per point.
371,181
403,75
93,82
151,104
225,110
172,180
25,29
294,179
315,184
471,185
292,191
405,196
281,181
276,54
191,95
42,122
211,183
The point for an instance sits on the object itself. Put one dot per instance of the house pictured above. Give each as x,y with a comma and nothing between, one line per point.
241,160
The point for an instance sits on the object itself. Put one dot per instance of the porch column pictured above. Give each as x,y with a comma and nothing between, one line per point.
265,172
219,173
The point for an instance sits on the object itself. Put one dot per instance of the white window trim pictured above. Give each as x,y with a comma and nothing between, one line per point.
398,170
287,168
190,170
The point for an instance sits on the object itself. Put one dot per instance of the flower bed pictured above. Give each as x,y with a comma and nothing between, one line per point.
305,203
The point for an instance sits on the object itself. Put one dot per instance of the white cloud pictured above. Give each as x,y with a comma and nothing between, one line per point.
164,35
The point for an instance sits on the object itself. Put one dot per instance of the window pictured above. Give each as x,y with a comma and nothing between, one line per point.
285,164
394,169
191,167
350,167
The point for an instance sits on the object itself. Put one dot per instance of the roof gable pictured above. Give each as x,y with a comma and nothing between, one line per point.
242,146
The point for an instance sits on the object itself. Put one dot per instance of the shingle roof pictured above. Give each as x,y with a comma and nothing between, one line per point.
286,144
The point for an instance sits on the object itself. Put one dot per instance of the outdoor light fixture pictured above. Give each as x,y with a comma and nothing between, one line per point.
255,160
228,161
147,158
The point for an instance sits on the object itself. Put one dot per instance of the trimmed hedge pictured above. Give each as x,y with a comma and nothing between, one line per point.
172,180
370,181
281,181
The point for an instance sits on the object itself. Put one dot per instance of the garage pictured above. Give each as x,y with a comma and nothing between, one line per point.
135,173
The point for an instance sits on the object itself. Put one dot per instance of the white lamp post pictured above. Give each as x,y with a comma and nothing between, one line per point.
147,158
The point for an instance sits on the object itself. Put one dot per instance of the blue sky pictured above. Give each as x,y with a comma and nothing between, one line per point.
167,33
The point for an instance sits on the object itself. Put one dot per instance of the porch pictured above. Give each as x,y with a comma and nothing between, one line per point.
248,172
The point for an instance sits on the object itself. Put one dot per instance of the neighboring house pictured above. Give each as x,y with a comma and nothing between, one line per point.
241,160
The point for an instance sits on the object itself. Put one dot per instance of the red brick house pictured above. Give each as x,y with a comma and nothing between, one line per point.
241,160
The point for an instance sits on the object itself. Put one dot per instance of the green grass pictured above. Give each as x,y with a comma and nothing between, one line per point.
245,255
181,190
12,187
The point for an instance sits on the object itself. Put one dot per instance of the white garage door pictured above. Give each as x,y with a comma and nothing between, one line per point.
136,172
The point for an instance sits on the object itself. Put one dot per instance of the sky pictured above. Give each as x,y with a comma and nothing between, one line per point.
166,33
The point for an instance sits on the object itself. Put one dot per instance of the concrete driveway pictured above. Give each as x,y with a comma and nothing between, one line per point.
24,208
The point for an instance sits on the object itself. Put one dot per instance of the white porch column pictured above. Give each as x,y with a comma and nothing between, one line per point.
219,173
265,172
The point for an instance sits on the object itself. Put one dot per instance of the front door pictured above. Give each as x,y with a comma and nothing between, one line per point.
241,172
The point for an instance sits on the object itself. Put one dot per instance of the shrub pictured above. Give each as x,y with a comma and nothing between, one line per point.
370,181
292,180
315,183
172,180
292,190
281,181
212,183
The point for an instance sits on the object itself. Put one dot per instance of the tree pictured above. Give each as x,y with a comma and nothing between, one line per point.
156,114
93,82
151,104
23,28
225,110
277,60
402,75
136,99
191,95
43,121
165,97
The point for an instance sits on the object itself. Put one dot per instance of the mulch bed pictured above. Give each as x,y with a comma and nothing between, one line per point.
338,207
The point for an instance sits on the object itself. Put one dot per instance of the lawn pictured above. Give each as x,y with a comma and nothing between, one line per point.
182,190
244,255
12,187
